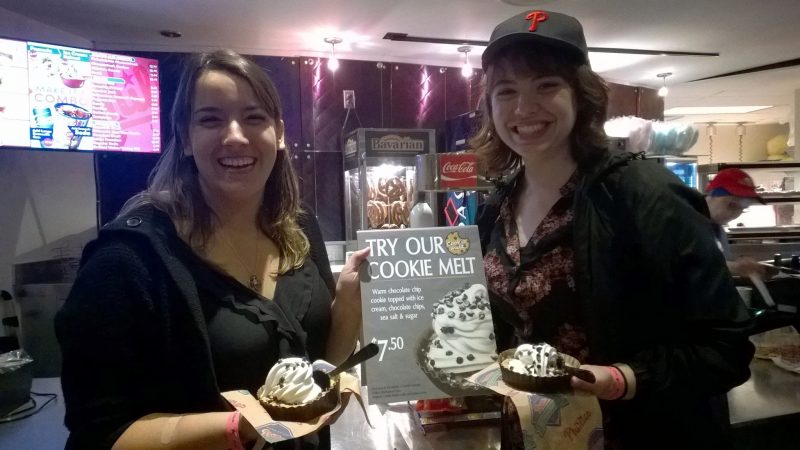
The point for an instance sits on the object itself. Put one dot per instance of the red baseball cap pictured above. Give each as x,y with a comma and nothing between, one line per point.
735,182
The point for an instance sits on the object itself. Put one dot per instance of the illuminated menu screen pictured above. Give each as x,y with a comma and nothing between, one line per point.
64,98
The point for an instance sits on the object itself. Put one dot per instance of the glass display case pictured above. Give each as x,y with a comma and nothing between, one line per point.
379,176
765,230
685,167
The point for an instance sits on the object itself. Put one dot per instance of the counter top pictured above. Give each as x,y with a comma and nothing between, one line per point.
44,430
395,429
770,393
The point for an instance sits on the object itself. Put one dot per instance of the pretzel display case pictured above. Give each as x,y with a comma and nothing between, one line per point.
380,176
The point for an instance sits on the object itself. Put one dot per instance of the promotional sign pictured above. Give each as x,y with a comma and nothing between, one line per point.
55,97
125,103
60,81
425,303
14,111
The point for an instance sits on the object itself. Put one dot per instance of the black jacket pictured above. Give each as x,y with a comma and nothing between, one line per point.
133,334
656,295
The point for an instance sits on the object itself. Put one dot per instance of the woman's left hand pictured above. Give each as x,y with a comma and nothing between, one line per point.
605,386
348,287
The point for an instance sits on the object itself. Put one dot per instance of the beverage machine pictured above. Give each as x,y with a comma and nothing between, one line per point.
459,207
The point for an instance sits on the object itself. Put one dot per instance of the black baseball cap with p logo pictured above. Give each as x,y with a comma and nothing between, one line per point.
545,27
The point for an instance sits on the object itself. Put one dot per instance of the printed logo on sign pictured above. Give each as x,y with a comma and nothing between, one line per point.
458,171
456,244
396,143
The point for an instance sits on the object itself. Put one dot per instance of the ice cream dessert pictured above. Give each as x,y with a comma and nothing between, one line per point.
462,341
540,360
290,393
535,367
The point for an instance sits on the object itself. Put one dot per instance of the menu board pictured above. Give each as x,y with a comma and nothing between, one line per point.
14,110
424,301
64,98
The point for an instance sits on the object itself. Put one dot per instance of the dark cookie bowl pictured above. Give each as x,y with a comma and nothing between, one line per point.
559,382
453,384
303,412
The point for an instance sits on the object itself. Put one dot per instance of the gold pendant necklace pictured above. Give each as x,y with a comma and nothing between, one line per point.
253,281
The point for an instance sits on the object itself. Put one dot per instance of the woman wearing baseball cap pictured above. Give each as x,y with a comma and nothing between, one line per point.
727,196
606,257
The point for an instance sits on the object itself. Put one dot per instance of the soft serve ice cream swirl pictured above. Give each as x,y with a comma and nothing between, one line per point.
290,381
463,338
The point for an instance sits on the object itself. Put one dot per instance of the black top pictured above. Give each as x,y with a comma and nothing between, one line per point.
136,336
242,346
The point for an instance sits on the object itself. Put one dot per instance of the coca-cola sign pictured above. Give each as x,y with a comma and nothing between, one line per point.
458,170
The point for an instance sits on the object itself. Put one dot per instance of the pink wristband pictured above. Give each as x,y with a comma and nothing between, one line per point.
232,432
620,384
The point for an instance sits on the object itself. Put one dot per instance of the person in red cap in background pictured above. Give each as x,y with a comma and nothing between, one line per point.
605,257
728,195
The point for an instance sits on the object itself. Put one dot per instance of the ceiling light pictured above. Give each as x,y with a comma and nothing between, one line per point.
466,69
680,110
333,62
663,91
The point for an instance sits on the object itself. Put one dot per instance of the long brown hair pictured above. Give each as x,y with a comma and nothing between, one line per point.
591,96
173,184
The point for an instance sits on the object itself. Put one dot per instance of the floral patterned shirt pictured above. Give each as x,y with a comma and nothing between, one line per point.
537,279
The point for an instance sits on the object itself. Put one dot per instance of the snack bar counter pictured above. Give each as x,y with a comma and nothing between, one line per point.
764,413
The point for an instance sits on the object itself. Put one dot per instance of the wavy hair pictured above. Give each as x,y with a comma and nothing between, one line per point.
587,138
173,184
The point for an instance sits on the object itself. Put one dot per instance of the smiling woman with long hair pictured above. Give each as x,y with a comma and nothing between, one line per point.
204,281
577,255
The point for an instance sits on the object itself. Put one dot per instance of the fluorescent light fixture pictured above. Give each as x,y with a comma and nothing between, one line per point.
681,110
604,62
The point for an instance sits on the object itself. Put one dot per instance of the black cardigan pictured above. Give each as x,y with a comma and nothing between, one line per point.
133,335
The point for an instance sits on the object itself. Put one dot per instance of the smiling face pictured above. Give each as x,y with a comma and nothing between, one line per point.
232,138
533,114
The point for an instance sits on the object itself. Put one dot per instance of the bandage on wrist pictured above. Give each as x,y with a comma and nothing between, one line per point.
232,431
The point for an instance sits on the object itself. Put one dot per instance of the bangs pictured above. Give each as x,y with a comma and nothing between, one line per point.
525,59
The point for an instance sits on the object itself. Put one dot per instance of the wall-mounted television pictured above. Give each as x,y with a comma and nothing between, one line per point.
62,98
